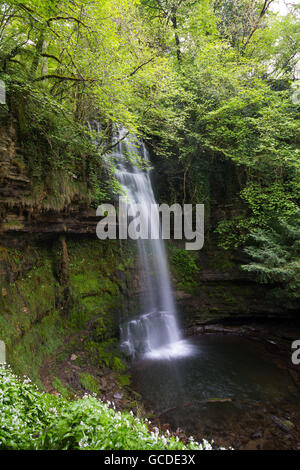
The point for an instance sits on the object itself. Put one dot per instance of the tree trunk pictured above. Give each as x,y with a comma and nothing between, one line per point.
177,40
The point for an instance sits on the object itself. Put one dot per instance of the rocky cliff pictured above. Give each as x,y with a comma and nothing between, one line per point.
63,290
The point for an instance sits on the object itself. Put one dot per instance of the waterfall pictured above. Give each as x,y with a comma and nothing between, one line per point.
155,332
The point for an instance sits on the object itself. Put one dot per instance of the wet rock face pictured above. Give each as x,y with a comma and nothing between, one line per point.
231,302
43,308
219,289
228,295
13,183
211,287
23,217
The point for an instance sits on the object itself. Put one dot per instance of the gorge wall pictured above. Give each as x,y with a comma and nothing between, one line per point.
62,290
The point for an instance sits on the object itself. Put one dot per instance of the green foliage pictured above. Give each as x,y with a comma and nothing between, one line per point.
275,198
38,421
61,389
89,382
185,268
93,285
276,255
62,65
57,151
205,82
193,76
32,322
25,412
233,106
124,380
105,354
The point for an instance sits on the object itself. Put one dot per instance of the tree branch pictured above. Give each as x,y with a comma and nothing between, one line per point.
50,56
107,149
264,10
59,77
67,18
140,66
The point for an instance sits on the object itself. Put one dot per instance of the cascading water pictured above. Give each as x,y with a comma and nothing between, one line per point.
155,333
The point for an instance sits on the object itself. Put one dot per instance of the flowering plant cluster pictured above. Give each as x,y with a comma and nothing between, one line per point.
30,419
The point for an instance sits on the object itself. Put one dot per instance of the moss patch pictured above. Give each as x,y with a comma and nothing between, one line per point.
34,320
185,268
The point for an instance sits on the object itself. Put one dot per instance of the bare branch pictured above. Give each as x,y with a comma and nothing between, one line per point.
107,149
140,66
64,78
264,10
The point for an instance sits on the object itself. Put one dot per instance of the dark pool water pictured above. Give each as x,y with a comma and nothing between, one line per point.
221,367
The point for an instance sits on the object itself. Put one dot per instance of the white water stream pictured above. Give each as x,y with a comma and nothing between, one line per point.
154,333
